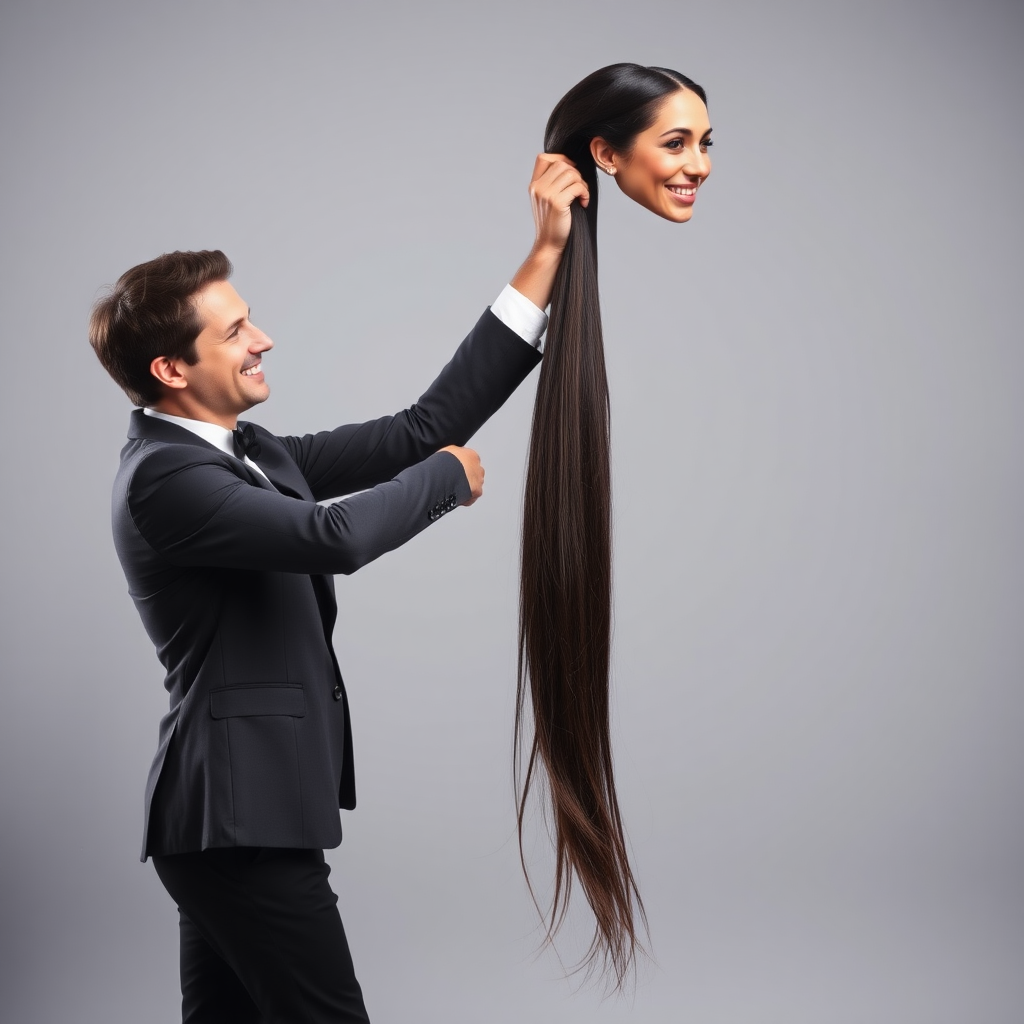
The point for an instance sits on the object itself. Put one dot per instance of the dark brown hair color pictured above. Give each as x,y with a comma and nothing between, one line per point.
566,571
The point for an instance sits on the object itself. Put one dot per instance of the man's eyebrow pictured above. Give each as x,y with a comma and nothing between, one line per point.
237,323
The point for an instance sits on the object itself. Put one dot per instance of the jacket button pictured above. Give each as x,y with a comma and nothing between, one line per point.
337,693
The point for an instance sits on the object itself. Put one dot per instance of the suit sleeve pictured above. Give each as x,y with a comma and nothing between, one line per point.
200,513
486,368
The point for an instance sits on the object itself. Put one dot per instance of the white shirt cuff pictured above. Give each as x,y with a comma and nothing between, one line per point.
519,314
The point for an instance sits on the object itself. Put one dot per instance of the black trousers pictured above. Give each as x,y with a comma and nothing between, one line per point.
261,938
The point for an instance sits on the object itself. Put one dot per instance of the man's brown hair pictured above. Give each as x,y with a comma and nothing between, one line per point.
149,313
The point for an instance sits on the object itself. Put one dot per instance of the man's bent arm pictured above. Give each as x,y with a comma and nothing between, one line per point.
486,368
202,513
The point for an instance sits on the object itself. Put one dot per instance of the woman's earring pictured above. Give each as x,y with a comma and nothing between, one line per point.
608,170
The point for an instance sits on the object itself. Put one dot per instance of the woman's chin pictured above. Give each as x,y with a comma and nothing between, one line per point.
678,215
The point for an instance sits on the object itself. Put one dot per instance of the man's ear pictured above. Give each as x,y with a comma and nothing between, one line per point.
603,153
166,371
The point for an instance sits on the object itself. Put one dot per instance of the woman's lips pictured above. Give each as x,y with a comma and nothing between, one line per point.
684,194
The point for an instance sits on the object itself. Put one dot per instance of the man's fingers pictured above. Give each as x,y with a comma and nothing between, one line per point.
559,185
546,171
545,160
556,179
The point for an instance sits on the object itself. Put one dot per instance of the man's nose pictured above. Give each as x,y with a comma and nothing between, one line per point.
261,342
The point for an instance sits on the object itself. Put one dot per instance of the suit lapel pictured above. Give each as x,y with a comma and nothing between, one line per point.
151,428
279,466
281,475
275,461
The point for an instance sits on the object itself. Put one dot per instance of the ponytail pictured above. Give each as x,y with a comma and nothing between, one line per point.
566,559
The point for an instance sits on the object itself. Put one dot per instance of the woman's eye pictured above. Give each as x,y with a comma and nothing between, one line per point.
706,145
675,144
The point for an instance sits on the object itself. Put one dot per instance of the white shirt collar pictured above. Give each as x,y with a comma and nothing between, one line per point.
214,433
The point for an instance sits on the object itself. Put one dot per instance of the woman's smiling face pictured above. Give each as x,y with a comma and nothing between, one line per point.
669,160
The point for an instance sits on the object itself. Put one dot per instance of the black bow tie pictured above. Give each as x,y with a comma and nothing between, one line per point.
245,442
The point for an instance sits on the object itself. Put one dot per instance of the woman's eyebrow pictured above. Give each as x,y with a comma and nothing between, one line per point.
684,131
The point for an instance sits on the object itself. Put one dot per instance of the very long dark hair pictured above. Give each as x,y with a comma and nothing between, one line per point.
565,594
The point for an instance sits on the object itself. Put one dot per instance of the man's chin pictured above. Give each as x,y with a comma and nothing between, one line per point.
257,397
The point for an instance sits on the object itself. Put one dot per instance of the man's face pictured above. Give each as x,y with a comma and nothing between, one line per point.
228,378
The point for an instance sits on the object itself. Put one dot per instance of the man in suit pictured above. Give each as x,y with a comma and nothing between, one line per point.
229,556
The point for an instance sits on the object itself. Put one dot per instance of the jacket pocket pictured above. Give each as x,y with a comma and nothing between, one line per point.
258,699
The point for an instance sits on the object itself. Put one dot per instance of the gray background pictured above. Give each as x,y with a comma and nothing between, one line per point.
818,490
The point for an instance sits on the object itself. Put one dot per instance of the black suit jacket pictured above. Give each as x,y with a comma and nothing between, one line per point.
232,577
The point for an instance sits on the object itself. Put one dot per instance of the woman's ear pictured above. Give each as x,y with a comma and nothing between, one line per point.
603,154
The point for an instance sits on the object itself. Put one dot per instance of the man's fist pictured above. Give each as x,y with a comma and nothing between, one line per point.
474,471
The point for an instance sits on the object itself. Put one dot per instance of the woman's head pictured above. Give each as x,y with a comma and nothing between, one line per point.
647,126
